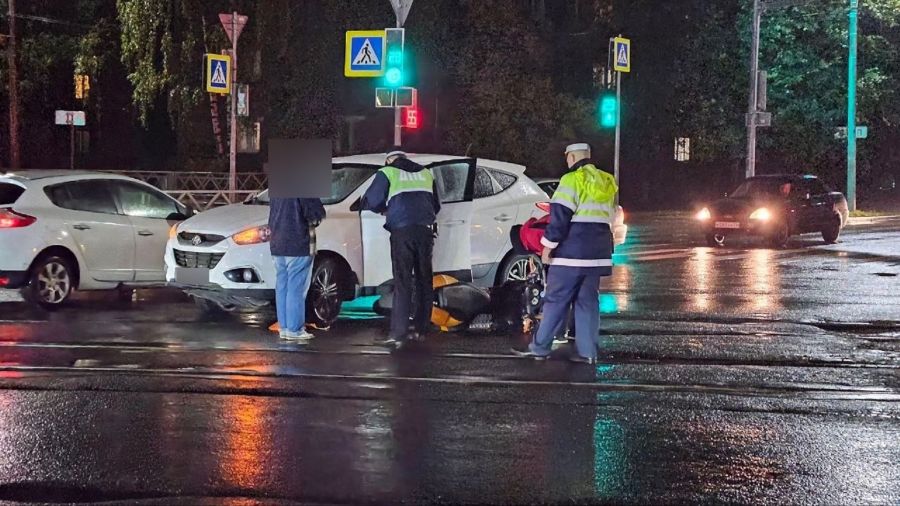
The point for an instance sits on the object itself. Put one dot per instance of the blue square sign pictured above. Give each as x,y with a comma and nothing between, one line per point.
364,55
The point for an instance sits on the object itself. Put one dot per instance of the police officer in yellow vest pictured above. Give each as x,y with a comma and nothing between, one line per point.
406,193
578,246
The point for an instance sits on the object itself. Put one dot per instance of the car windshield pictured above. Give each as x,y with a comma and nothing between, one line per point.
761,187
344,180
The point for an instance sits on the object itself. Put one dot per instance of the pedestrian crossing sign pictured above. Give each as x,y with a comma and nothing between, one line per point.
364,54
622,54
217,74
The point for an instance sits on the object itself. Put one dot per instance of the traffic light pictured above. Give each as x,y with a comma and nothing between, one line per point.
609,110
393,69
410,117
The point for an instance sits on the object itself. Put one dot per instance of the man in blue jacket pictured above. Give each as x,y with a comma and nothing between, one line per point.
406,192
292,225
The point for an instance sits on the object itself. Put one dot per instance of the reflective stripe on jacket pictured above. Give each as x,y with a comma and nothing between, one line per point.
405,192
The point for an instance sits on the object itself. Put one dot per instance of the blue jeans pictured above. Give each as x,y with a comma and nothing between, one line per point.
567,285
292,278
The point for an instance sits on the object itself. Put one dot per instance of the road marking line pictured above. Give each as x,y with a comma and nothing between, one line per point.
872,393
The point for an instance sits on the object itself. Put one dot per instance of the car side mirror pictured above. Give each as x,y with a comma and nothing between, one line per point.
356,206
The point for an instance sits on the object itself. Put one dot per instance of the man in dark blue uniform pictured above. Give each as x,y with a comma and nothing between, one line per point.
405,191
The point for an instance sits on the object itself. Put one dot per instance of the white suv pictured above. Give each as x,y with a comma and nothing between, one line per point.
221,256
66,230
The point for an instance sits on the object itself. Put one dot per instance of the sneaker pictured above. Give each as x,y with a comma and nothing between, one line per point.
302,336
578,359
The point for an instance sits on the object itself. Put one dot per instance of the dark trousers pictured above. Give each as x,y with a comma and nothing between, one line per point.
565,286
411,249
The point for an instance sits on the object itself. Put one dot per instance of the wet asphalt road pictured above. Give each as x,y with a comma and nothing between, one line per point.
736,375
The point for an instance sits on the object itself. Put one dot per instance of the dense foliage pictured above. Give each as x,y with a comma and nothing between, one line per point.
506,79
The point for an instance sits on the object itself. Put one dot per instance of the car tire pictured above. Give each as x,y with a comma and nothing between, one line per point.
715,240
779,237
51,282
516,268
323,301
125,295
832,232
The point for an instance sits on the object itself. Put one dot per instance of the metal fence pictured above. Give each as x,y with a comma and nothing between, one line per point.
201,190
171,181
203,200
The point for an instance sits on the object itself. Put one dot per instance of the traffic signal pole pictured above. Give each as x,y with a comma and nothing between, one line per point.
398,135
851,105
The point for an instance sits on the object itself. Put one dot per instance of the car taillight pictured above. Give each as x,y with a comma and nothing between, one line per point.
12,219
253,235
543,206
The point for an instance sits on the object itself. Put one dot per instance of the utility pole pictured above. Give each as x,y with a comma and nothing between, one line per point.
851,105
754,90
14,149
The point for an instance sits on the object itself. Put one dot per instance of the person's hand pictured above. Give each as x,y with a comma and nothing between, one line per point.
545,256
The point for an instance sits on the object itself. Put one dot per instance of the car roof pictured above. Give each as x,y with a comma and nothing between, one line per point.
425,159
52,175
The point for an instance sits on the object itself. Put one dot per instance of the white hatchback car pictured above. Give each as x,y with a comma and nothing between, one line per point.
221,256
65,230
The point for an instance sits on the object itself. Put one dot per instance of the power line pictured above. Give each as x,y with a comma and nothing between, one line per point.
43,19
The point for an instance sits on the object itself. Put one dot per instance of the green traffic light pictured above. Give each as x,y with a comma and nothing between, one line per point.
393,77
608,111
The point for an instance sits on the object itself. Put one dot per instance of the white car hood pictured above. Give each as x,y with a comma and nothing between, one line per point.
227,220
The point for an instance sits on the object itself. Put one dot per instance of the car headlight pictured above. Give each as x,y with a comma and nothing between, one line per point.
704,214
253,235
761,214
173,231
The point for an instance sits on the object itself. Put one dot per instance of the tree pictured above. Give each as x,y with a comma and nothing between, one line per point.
508,107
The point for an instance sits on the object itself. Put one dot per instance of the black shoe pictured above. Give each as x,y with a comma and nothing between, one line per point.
527,353
414,336
578,359
386,341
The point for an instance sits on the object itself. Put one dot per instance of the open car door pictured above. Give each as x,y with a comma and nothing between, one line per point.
455,180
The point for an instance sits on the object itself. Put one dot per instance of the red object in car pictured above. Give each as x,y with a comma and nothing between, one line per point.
12,219
532,232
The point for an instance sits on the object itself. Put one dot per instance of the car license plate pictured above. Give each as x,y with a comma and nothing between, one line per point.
728,224
188,276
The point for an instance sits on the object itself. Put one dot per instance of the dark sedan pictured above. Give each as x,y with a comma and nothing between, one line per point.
775,208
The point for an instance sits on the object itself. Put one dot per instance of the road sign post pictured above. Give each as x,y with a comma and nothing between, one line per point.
233,24
71,119
621,56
